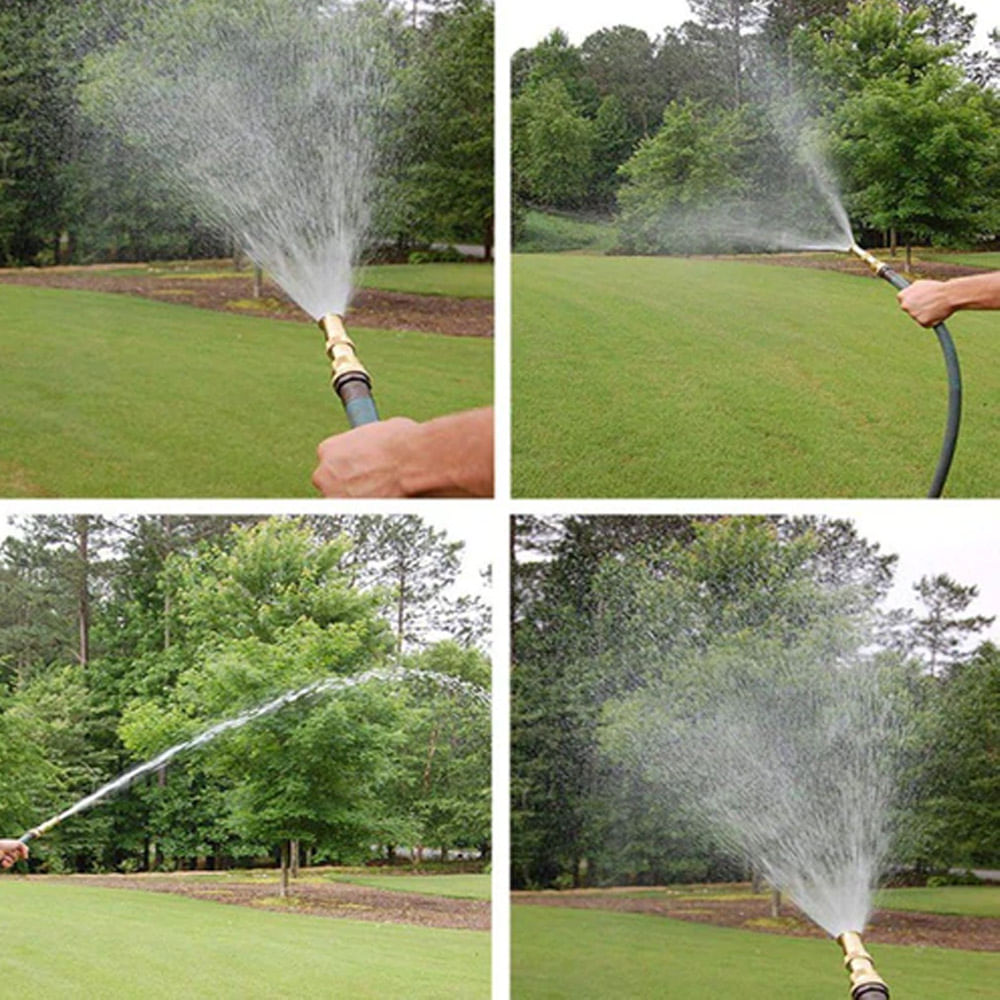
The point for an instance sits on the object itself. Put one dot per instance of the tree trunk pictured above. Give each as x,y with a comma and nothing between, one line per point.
756,880
893,242
909,258
283,885
256,281
488,240
294,860
82,526
775,903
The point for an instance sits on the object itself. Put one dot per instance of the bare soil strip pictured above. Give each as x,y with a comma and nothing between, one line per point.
316,898
753,913
370,308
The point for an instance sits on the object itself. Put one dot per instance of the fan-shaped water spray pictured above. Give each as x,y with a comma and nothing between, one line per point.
271,116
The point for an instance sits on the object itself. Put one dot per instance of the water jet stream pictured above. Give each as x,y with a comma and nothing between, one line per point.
326,685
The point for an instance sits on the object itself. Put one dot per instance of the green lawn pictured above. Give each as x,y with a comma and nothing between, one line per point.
108,395
461,281
65,941
964,900
546,232
987,261
698,378
455,886
590,955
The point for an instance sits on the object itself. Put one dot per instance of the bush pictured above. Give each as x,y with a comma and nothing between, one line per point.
449,255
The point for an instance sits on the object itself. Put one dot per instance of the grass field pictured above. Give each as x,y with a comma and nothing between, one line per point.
963,900
589,955
698,378
108,395
455,886
546,232
987,261
461,281
65,942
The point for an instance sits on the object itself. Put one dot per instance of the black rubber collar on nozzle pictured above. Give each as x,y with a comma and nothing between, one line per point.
871,991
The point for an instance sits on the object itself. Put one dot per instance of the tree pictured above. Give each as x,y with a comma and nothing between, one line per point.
449,182
621,61
920,157
553,147
732,20
958,806
942,632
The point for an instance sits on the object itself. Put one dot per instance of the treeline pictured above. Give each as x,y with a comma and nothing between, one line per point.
653,129
121,637
602,606
72,191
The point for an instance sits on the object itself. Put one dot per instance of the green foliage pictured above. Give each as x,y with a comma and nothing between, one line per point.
239,613
549,232
448,185
553,150
920,156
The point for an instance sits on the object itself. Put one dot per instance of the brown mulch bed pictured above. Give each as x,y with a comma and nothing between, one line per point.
370,308
321,899
753,913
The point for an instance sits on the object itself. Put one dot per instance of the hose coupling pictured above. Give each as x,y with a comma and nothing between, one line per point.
866,983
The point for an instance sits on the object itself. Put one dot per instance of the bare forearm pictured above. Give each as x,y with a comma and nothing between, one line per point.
977,291
452,456
932,302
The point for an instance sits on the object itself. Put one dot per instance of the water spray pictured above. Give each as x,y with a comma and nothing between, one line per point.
350,379
325,685
882,270
866,983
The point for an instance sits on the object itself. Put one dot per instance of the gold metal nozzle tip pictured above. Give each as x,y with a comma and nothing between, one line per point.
340,347
859,964
870,259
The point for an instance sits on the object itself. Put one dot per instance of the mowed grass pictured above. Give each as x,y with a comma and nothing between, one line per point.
589,955
549,232
66,941
453,886
986,260
472,280
962,900
108,395
690,377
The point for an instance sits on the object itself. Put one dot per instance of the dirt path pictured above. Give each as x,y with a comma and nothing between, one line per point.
233,294
314,897
753,913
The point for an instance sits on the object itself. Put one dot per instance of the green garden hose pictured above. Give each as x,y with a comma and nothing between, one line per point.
951,366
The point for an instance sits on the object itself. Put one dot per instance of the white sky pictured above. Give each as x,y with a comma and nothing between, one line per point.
960,538
523,23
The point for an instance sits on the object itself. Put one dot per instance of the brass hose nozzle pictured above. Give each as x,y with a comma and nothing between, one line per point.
350,379
870,259
866,983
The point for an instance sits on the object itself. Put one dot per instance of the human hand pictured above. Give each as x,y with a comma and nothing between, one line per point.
11,851
928,302
365,461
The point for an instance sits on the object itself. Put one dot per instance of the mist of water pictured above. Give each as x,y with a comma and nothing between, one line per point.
783,196
326,685
789,755
270,116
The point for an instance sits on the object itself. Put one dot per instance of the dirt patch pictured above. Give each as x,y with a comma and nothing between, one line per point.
233,294
753,913
320,899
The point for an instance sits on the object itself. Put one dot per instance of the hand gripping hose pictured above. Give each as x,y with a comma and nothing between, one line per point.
951,365
350,380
